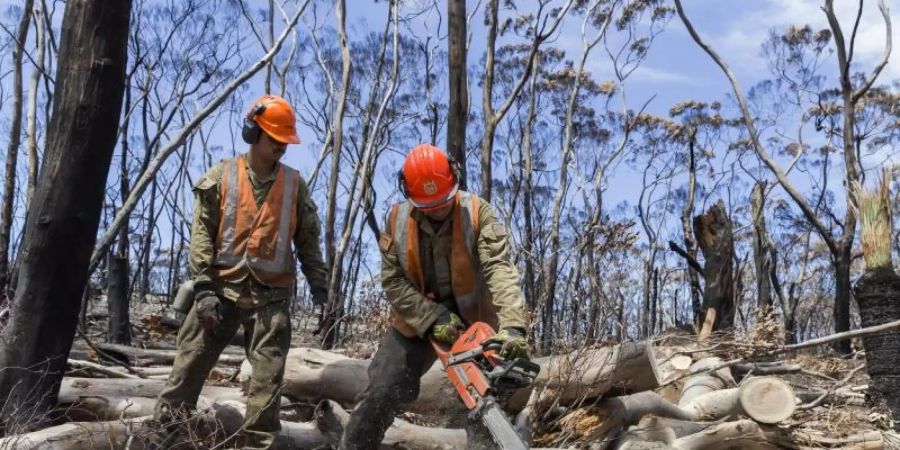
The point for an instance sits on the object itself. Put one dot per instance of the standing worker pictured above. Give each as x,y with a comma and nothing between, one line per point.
445,263
248,211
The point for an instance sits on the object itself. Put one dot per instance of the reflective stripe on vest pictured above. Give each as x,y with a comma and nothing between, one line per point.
256,238
466,278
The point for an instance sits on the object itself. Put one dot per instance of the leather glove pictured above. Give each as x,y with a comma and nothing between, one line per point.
447,328
514,344
208,310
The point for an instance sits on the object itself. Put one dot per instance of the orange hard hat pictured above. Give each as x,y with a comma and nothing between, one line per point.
428,178
274,115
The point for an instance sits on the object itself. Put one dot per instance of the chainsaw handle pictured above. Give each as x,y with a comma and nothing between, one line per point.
492,345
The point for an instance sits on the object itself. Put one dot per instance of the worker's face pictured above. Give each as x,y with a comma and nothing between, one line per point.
268,149
440,213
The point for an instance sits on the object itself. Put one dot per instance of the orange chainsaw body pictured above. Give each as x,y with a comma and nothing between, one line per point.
466,376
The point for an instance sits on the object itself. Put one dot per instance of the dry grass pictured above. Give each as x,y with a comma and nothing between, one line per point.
874,209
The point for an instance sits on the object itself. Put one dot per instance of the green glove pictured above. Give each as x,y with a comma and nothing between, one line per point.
514,343
447,328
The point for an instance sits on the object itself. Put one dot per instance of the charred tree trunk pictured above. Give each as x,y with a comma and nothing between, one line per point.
841,266
458,112
714,236
62,223
878,296
762,253
117,301
690,245
12,152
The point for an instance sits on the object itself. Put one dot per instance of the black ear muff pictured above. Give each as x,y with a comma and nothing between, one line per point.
401,184
250,131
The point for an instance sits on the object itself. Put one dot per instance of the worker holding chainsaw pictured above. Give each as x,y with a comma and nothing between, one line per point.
251,214
445,264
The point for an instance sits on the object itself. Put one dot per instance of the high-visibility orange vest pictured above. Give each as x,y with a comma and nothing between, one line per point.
256,239
470,291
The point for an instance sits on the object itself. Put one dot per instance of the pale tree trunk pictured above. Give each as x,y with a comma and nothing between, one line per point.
527,174
332,308
62,224
491,117
271,64
363,167
12,152
458,108
32,102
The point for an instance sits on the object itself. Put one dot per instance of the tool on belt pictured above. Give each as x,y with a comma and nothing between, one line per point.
481,378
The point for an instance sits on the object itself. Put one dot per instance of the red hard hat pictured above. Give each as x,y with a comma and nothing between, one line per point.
429,181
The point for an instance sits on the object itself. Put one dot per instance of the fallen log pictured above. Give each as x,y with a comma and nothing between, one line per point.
89,399
331,419
583,374
747,434
109,435
704,380
145,357
764,399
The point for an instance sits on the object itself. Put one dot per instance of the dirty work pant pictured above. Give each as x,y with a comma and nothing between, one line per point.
267,336
393,379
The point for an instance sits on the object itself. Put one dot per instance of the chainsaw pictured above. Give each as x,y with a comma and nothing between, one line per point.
481,378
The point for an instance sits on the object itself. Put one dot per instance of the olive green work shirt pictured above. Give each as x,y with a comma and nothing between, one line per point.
248,292
500,274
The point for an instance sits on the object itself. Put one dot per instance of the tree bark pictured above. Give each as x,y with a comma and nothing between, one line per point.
690,245
762,254
458,111
119,329
714,236
12,152
878,296
62,224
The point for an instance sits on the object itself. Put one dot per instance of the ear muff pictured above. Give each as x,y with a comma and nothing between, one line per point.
250,131
401,184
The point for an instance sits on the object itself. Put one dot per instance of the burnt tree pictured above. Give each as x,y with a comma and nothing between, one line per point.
877,292
61,226
716,242
458,112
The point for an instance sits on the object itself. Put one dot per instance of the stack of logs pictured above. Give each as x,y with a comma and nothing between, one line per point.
616,397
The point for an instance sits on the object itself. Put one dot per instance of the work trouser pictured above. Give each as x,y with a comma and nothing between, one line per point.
267,336
393,379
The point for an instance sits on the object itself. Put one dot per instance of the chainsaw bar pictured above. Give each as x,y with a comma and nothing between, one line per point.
502,432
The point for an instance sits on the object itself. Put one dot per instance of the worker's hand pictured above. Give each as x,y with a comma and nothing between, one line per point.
207,304
447,328
514,344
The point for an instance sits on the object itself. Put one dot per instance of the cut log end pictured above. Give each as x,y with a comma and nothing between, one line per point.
767,399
